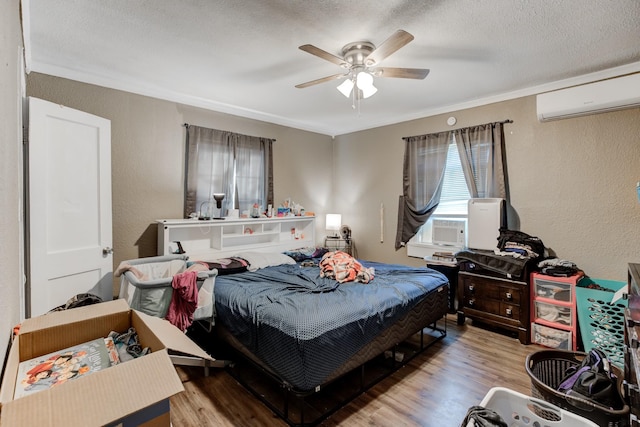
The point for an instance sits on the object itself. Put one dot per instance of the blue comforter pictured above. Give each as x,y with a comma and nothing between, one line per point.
304,326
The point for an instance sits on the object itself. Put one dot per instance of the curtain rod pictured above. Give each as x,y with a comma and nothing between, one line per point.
466,127
186,125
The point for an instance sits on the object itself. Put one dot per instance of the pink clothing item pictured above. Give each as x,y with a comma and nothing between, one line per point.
184,300
343,267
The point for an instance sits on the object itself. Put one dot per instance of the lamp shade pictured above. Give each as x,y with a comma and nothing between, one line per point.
364,81
333,222
345,87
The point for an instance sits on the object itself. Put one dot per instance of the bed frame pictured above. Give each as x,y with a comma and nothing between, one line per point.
416,331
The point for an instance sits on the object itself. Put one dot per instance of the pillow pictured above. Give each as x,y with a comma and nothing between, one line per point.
306,253
228,265
258,260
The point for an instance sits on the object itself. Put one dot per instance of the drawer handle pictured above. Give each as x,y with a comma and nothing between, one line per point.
509,311
471,303
471,287
509,295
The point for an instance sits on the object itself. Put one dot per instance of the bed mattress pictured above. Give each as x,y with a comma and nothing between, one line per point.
304,328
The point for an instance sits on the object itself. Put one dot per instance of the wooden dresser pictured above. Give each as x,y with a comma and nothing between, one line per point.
495,300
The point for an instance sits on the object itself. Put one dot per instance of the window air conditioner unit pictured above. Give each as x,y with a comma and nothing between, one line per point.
450,232
599,97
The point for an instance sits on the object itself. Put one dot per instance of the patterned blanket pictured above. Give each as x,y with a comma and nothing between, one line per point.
343,267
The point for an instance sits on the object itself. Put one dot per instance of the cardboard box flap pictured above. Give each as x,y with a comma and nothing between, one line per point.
103,397
172,337
9,376
64,317
50,332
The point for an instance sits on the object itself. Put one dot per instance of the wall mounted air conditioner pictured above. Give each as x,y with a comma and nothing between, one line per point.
450,232
599,97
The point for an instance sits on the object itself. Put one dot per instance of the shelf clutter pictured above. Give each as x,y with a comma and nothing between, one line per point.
214,239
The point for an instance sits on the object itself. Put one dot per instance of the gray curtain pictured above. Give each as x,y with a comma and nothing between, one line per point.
482,157
425,157
238,165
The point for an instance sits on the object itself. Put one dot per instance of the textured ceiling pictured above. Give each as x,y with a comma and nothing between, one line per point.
242,57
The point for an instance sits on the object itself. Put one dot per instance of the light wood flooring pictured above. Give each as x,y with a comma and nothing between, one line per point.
435,389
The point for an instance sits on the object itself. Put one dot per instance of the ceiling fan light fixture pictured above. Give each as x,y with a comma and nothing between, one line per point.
345,87
364,81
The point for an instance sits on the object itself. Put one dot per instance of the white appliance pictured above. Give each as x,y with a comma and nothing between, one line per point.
599,97
450,232
485,218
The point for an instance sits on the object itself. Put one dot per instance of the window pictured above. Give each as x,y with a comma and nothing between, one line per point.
454,197
476,152
239,166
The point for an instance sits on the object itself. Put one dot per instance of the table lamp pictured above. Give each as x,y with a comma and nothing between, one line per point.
333,223
218,198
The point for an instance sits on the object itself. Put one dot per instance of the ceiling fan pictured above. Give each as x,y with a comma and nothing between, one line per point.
361,60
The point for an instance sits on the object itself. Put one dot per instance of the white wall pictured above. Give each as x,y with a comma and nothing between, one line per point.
10,160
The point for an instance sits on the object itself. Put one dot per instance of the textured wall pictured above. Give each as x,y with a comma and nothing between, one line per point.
572,182
10,160
147,147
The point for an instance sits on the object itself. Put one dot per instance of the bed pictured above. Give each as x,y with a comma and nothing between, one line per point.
305,331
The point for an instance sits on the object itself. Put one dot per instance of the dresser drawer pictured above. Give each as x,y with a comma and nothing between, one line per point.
492,306
556,290
555,313
483,288
551,337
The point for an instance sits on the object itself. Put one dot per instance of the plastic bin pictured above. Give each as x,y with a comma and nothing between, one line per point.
153,296
547,368
518,410
601,321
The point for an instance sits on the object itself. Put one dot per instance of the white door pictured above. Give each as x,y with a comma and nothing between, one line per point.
69,210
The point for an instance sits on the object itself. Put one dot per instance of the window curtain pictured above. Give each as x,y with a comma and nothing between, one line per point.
238,165
482,157
425,157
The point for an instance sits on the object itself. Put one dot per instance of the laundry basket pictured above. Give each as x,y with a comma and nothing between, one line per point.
547,368
518,410
152,295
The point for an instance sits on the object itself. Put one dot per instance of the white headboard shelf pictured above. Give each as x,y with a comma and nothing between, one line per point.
213,239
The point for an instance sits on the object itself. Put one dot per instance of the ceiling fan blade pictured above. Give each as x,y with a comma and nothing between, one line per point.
404,73
322,80
309,48
390,45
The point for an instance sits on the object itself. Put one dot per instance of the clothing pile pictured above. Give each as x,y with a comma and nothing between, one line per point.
558,267
127,345
519,245
343,267
479,416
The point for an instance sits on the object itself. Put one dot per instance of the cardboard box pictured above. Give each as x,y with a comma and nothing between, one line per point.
131,393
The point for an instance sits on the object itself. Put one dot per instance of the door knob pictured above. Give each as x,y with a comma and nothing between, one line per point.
107,250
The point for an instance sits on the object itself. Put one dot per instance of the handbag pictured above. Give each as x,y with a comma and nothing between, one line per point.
593,380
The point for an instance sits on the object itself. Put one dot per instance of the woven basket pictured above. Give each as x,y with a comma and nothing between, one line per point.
547,368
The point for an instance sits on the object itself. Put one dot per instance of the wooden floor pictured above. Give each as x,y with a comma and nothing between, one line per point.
435,389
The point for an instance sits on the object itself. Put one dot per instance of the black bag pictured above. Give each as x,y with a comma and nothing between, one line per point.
593,380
